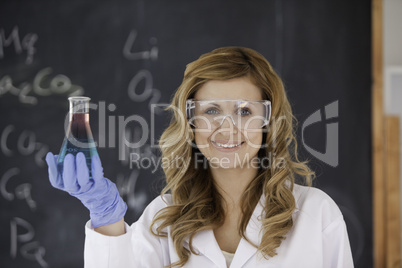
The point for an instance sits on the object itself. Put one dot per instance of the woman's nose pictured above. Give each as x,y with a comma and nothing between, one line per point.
228,124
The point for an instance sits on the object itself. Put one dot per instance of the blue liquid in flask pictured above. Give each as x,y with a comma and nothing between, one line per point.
78,136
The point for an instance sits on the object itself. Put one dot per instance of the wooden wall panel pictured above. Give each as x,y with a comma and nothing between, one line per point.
378,135
392,194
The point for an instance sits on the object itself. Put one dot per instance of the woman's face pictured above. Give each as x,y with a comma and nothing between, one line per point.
213,143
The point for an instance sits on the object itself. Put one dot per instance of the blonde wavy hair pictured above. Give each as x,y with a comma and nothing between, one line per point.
197,205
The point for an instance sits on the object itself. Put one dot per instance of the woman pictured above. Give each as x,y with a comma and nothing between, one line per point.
234,202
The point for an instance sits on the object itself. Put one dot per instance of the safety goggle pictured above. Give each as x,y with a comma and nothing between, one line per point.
244,114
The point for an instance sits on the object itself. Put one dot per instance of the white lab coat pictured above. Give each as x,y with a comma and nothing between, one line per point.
318,239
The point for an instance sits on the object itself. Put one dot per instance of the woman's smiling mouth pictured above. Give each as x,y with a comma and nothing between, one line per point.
227,147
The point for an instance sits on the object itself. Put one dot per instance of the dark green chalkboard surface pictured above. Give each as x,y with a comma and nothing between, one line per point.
129,56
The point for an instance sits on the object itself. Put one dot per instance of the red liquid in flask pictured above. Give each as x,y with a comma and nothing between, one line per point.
78,136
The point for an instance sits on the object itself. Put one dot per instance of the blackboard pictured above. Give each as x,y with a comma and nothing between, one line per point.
127,55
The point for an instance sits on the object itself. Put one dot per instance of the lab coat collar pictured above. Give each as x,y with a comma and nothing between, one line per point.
245,250
205,242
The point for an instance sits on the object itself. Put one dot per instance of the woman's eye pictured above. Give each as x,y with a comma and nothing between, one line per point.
211,111
244,112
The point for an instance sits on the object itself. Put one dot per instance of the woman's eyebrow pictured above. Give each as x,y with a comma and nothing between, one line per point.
242,104
217,105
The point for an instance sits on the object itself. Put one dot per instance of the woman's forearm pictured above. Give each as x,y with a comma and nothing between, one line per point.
114,229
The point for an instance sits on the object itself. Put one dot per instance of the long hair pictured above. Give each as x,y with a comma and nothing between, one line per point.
196,203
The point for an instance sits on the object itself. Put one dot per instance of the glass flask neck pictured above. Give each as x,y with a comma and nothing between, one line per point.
78,105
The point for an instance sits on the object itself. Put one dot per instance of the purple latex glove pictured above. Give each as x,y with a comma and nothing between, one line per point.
98,194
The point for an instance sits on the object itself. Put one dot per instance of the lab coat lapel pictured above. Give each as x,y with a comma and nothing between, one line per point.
207,245
205,242
245,250
253,232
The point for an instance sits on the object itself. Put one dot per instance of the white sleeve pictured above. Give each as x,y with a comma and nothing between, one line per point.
336,247
136,248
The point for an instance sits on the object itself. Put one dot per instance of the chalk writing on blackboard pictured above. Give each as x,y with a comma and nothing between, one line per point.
149,90
22,191
141,75
20,46
31,250
26,145
152,54
42,85
133,141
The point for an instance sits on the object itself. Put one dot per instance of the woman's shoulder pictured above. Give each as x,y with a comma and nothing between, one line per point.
160,201
316,204
307,193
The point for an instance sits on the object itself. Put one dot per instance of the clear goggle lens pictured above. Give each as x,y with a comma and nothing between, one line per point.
244,114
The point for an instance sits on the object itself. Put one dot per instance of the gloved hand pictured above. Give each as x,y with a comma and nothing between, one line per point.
98,194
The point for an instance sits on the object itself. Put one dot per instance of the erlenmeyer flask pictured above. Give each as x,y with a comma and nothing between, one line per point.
78,136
